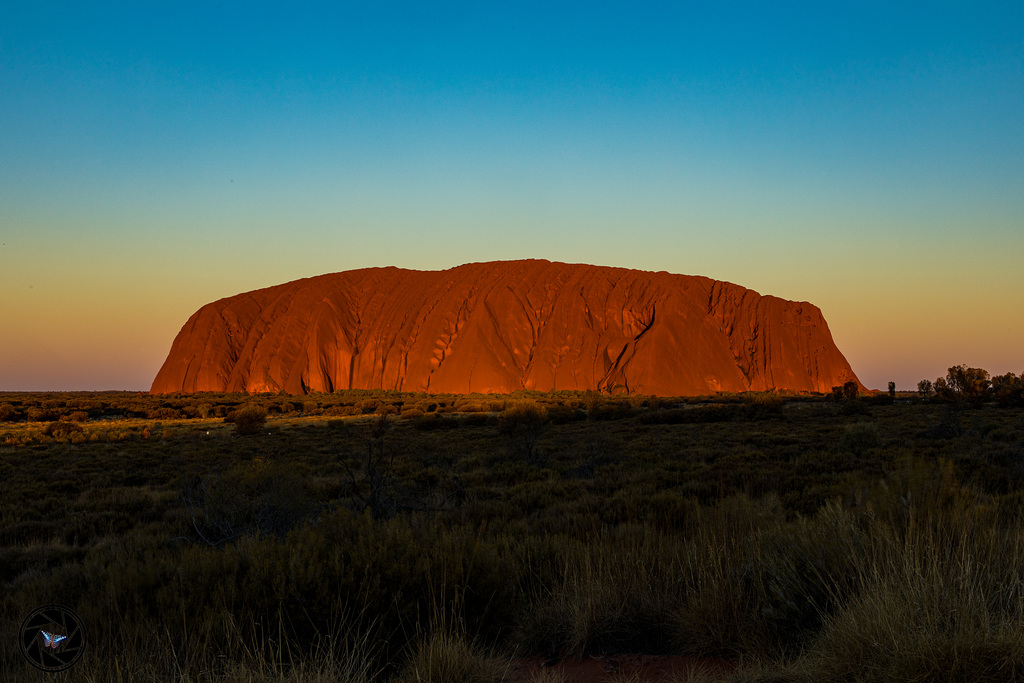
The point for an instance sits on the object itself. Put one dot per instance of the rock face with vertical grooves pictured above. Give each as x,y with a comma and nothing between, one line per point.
503,326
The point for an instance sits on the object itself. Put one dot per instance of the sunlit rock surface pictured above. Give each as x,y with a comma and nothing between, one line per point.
503,326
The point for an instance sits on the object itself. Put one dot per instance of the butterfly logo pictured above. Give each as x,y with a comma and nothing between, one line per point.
41,640
51,639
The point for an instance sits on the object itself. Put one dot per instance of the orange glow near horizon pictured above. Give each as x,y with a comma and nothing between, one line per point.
111,335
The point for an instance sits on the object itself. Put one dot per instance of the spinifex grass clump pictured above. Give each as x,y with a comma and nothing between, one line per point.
942,599
612,592
728,587
448,656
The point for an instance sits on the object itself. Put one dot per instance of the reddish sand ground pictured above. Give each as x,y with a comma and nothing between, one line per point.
639,668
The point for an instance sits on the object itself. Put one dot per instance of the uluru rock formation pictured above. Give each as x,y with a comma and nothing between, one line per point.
502,326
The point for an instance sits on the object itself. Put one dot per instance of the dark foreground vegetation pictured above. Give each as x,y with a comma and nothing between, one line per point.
366,536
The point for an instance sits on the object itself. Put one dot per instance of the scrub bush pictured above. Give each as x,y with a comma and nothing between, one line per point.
250,419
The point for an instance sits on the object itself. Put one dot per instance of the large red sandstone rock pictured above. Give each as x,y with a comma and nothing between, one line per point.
503,326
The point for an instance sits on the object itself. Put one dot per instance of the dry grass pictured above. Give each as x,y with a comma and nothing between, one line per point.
790,536
448,656
938,603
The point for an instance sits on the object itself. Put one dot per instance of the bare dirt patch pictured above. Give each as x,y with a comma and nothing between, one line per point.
634,667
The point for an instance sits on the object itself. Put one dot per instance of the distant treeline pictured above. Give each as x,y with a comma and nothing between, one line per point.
974,385
961,384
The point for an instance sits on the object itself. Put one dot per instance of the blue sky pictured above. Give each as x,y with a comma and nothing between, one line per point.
868,158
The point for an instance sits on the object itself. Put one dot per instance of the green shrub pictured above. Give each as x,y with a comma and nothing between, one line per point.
859,438
41,415
710,413
62,429
612,410
8,413
432,421
854,406
368,406
82,404
250,419
386,409
592,400
479,420
560,414
763,405
341,411
254,498
339,426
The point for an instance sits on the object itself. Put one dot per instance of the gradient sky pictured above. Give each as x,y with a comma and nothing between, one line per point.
866,157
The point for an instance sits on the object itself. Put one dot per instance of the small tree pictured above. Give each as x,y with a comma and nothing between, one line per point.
1008,389
924,388
522,424
968,384
850,390
378,479
376,487
892,391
